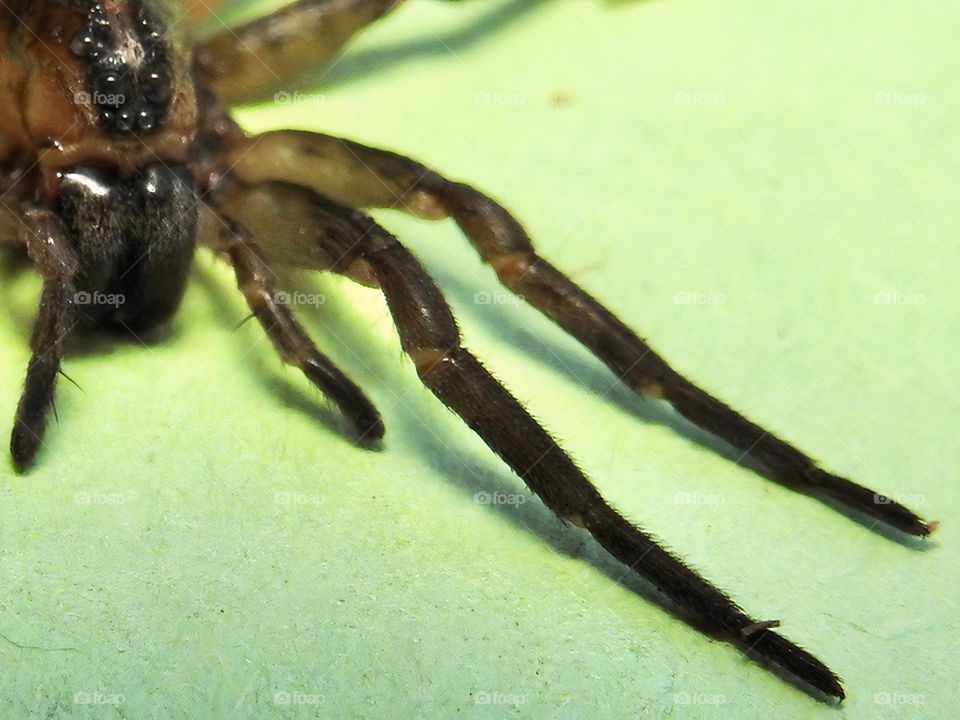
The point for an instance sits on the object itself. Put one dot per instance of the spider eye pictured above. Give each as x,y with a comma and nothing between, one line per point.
129,71
156,85
83,44
146,120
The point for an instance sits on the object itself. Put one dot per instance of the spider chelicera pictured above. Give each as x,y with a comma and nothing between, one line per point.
119,158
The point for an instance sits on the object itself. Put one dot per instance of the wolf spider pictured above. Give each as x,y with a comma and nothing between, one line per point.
120,158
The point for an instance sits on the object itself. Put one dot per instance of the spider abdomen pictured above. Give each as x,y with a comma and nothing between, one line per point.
134,239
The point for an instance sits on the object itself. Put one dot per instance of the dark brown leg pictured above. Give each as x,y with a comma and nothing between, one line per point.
244,63
50,252
289,337
429,335
360,176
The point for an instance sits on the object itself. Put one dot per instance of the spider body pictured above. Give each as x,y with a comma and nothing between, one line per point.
120,159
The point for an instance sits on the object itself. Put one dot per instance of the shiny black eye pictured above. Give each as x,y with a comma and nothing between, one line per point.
129,95
146,120
83,44
124,120
156,86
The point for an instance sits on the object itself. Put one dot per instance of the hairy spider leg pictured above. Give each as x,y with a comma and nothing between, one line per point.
49,249
360,176
254,278
430,337
243,63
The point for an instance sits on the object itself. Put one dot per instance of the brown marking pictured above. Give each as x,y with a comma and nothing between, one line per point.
511,266
426,359
654,391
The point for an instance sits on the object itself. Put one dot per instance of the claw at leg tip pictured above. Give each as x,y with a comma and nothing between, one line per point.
22,452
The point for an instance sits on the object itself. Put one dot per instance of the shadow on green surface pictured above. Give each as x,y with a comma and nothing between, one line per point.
361,63
353,65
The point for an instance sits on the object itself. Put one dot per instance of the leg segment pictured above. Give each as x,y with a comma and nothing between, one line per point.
243,63
360,176
51,253
429,335
289,337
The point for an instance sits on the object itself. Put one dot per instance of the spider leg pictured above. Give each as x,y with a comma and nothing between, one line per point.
50,251
430,337
243,63
361,176
254,278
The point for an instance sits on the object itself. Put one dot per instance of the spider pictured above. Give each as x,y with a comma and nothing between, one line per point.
120,159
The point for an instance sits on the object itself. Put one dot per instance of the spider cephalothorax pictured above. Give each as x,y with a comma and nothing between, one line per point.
121,159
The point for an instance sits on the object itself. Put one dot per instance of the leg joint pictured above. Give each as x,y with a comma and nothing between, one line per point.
427,358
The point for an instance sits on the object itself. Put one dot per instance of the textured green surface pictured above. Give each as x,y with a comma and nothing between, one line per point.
747,183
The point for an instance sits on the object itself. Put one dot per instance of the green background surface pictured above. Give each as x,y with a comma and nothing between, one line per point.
765,190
